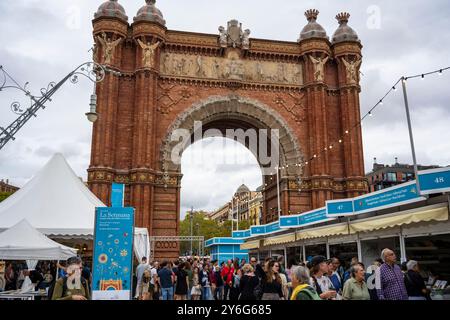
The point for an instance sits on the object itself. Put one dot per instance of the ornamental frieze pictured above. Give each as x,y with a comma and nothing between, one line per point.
346,49
106,25
231,67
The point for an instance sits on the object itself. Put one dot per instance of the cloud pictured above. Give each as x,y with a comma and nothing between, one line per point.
45,39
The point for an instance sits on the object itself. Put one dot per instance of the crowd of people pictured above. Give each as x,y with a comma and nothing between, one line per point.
205,279
318,279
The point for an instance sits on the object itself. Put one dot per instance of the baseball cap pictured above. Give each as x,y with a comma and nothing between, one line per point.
318,260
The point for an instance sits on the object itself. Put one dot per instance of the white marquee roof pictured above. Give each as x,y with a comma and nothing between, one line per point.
55,201
23,242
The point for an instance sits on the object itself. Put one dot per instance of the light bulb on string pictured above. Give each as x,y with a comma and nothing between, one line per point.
423,76
394,88
370,114
381,102
440,72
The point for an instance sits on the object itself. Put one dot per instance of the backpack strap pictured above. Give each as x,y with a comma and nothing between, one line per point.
318,288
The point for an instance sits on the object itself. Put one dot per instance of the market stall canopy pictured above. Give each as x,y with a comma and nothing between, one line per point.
254,244
286,238
23,242
55,201
327,231
423,215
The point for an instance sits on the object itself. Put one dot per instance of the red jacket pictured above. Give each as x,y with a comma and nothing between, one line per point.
227,274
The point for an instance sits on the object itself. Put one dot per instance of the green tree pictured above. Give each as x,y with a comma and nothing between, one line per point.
202,226
4,195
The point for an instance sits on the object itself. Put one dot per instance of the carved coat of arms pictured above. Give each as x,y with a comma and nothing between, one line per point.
234,36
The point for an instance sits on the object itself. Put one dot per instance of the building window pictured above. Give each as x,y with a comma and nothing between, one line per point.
391,176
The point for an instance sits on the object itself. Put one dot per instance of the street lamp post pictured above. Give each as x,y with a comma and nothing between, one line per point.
197,225
278,194
190,219
411,138
93,71
237,213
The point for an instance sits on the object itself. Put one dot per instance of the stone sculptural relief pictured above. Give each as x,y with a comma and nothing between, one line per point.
230,68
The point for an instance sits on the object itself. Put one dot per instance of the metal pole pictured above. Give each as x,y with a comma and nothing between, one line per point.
190,217
285,257
304,252
327,245
232,215
238,213
358,248
402,246
411,138
278,194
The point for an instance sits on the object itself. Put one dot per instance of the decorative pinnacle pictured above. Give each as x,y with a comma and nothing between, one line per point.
150,2
342,17
311,14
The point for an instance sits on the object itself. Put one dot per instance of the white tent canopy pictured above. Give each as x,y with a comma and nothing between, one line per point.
55,201
58,204
23,242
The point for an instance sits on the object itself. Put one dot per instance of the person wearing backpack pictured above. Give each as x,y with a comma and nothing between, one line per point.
73,286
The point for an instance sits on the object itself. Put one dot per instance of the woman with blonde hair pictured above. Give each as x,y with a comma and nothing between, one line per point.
248,283
196,290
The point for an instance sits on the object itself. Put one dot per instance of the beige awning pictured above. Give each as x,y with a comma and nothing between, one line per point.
255,244
437,214
285,238
333,230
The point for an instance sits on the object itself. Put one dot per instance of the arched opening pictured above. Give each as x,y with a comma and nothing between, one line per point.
222,187
259,128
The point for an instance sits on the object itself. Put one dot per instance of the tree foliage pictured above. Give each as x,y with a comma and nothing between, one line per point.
202,226
4,195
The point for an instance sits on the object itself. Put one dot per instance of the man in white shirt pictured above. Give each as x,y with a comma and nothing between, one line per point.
140,273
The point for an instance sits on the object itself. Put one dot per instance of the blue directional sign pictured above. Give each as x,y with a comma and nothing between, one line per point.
434,181
257,230
289,221
305,219
117,195
386,198
314,217
272,227
241,234
338,208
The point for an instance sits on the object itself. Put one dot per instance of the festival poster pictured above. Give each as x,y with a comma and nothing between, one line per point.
113,254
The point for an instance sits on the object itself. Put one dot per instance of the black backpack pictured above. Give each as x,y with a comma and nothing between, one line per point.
51,289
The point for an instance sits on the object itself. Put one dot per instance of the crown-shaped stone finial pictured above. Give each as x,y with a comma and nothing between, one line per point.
342,17
311,14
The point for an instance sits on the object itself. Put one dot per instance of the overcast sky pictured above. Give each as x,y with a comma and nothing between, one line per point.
42,40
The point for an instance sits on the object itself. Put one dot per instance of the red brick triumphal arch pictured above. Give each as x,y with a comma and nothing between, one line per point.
166,80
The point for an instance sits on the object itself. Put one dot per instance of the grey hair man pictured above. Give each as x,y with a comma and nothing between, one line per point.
415,285
392,285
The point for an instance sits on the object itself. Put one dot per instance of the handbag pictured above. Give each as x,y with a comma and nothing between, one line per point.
258,292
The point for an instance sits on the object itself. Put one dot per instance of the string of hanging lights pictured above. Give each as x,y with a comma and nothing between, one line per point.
370,113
